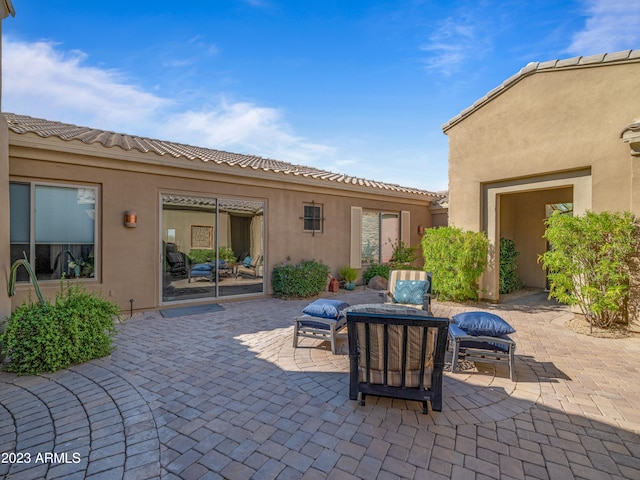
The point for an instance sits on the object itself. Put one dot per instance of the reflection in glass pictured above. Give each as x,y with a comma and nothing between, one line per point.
380,231
62,242
211,247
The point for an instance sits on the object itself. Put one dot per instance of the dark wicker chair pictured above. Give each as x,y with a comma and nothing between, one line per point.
396,352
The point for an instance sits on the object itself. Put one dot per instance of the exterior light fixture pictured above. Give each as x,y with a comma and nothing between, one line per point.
420,230
130,219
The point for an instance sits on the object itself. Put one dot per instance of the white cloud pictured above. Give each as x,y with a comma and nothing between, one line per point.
611,26
245,128
41,80
454,41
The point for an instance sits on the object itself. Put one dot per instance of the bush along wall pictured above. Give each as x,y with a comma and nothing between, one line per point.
456,259
590,263
41,337
302,280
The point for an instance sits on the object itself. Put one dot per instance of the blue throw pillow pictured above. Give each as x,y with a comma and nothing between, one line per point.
410,291
482,323
325,308
247,261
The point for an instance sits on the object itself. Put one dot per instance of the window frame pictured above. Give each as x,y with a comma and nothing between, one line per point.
378,259
313,218
33,185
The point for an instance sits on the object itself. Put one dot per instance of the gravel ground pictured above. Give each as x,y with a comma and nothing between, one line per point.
580,325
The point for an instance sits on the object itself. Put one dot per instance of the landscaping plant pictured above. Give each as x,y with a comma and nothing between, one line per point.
509,280
589,263
456,259
302,280
41,337
376,269
403,256
348,274
199,255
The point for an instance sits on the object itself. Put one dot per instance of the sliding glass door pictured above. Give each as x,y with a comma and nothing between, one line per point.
211,247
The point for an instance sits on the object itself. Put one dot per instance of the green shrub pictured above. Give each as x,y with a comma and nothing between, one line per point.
203,256
41,337
589,263
403,255
375,269
302,280
509,280
456,258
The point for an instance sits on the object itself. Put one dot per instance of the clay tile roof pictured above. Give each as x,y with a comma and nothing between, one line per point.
535,67
22,124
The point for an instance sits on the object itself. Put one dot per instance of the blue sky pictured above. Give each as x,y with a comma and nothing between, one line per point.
352,86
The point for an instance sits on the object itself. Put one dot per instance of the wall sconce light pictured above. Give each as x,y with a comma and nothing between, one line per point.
130,219
420,230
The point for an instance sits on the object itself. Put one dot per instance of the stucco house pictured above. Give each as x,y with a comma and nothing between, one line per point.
136,218
124,214
563,134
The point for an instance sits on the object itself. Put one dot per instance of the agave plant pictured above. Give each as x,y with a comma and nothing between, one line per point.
13,274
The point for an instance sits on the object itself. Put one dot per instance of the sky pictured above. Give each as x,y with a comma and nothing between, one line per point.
360,87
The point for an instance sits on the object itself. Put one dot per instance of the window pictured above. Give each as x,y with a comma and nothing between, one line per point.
380,232
55,227
312,218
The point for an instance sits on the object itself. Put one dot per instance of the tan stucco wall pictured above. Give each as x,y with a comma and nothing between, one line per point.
522,217
553,121
131,257
439,218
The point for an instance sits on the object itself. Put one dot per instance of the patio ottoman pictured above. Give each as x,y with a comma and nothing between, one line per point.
321,319
481,337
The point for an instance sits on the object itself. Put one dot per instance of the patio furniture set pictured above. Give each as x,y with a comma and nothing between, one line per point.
225,269
397,348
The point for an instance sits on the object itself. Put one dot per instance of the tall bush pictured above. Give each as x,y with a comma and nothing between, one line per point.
509,280
589,263
41,337
456,258
301,280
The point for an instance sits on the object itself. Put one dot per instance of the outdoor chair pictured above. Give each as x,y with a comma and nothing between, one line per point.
481,337
411,288
396,351
175,259
250,267
320,320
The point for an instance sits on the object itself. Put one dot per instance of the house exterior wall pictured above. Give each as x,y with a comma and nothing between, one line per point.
534,135
130,258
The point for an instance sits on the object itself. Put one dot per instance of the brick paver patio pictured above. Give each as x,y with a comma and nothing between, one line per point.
225,395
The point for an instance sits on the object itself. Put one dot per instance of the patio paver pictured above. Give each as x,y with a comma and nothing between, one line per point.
225,395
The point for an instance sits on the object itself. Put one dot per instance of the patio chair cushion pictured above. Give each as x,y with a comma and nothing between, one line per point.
209,265
202,268
325,308
410,291
247,261
482,324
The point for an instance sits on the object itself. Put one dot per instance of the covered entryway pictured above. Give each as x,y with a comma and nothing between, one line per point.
516,209
522,219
